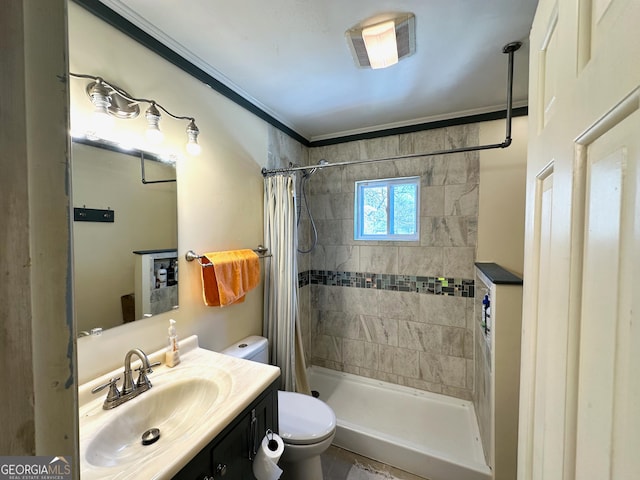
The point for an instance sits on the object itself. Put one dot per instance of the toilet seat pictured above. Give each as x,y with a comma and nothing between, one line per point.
304,420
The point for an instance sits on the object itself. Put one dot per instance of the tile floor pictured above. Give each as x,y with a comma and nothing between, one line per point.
336,463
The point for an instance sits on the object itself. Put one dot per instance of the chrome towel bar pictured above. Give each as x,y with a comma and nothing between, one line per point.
190,256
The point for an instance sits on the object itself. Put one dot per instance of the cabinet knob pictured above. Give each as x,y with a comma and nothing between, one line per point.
221,470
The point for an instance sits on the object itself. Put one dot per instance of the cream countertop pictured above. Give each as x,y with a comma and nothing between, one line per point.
240,382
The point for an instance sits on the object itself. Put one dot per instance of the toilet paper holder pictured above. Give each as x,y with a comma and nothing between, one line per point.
265,464
271,441
255,440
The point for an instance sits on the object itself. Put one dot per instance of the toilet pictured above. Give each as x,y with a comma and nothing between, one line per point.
307,425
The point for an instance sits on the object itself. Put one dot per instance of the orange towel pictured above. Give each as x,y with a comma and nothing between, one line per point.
233,274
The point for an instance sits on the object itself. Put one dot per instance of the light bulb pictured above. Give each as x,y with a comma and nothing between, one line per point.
153,133
101,122
193,149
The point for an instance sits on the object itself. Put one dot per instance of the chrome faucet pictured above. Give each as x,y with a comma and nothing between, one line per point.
130,389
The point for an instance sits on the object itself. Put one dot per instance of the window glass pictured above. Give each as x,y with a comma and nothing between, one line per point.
387,209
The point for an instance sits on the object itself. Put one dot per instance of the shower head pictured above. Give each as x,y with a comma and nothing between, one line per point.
307,173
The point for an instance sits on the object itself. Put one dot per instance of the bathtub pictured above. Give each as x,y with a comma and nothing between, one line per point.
427,434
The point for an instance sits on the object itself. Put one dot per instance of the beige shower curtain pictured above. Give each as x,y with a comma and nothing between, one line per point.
281,311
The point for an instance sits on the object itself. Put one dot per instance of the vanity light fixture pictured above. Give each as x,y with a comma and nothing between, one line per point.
382,41
110,101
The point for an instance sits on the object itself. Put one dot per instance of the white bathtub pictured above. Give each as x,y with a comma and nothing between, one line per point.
430,435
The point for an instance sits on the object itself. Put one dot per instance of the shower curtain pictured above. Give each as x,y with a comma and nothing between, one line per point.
281,312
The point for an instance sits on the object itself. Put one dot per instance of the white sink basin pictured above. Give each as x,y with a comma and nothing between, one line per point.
189,404
175,409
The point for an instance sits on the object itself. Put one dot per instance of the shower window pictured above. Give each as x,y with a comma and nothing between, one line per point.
387,209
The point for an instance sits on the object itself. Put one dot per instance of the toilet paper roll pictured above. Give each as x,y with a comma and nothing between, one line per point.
265,465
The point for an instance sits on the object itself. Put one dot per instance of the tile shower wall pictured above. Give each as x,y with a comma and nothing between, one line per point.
413,338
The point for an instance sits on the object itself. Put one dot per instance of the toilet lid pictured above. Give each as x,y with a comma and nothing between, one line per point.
304,419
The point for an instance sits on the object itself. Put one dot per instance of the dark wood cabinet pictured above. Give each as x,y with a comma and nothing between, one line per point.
230,455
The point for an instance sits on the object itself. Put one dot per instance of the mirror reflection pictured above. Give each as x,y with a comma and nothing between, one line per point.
124,235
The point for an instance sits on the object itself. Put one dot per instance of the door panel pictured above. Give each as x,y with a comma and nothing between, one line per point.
606,334
580,380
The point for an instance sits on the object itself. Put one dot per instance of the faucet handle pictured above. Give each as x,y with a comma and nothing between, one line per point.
142,374
113,389
154,364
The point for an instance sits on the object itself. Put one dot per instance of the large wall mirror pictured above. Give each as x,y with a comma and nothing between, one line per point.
124,235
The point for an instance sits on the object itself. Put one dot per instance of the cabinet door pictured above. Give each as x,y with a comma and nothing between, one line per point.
230,456
265,413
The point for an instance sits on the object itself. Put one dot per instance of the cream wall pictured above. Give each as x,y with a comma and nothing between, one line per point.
219,192
502,196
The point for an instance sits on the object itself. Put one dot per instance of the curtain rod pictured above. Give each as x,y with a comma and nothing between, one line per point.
509,49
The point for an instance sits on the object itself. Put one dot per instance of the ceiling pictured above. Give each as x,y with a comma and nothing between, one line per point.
290,58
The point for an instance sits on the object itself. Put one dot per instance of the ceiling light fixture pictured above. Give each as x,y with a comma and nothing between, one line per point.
111,101
382,41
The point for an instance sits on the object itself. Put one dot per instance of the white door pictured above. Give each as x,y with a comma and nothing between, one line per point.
580,387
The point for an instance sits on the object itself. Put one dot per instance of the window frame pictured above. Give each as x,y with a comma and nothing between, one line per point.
358,210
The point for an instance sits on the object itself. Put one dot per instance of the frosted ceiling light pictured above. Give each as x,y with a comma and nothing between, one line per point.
383,41
380,43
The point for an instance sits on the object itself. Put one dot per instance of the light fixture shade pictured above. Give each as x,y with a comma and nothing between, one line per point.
101,122
380,42
193,148
362,37
153,133
99,95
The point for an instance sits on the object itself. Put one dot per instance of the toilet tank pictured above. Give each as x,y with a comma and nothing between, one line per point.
251,348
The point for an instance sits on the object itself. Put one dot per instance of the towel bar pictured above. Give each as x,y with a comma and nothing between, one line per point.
190,256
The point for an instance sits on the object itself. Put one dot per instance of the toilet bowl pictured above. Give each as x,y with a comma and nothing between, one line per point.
306,425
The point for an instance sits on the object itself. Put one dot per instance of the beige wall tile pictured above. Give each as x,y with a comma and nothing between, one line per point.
342,258
379,330
379,259
461,200
422,261
398,305
443,310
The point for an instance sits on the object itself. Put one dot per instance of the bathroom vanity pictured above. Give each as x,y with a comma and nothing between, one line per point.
201,419
231,453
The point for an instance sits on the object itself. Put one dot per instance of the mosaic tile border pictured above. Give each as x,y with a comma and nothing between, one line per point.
455,287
